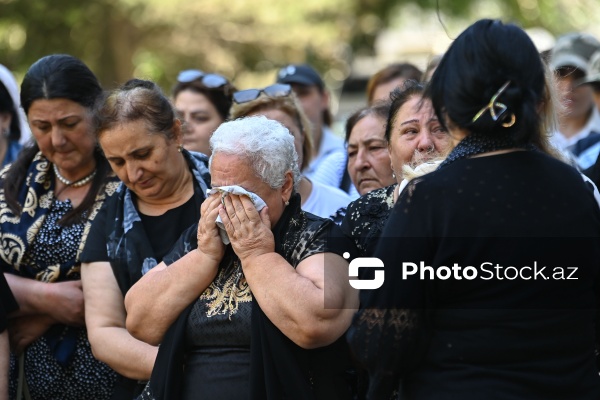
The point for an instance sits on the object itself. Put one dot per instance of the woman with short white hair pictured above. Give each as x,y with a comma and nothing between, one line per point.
237,305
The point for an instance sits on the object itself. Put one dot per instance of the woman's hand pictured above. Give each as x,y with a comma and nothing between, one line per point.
209,240
25,330
65,302
249,232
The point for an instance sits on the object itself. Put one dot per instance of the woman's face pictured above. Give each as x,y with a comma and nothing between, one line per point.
144,162
416,135
227,169
62,129
368,156
291,124
201,120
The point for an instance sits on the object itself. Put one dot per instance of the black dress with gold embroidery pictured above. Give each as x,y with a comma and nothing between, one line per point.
218,328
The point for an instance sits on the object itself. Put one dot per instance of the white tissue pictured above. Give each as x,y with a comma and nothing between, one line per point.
238,190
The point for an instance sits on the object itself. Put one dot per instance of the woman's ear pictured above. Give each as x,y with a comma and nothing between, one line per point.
288,187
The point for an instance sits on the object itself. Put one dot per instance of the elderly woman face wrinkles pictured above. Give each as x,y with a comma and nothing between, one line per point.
416,135
229,170
368,155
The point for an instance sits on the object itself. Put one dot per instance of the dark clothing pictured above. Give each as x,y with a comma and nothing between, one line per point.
366,216
12,151
493,339
8,303
59,364
223,345
119,232
134,243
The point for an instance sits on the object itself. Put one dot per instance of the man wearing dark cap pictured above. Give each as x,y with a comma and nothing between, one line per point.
589,159
329,155
579,118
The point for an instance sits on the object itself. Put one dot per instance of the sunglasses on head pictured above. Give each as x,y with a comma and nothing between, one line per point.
208,80
276,90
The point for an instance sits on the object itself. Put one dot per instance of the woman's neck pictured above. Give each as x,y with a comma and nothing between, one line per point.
3,147
304,189
182,191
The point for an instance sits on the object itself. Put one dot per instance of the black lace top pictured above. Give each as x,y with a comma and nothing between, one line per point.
218,327
366,216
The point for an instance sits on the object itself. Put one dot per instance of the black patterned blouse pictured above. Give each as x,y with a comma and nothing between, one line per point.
60,364
220,327
366,216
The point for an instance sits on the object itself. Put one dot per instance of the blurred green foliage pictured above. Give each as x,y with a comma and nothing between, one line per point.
244,40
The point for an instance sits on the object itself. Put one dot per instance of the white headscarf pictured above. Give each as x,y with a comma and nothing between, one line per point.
8,80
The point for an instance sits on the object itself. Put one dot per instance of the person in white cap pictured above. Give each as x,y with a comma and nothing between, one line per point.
579,118
13,124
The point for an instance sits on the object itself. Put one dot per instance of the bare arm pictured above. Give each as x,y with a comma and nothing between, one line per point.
157,299
105,320
61,301
313,304
26,329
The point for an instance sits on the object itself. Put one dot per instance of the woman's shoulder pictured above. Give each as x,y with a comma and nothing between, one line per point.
373,205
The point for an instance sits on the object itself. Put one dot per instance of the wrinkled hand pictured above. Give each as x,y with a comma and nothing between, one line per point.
25,330
209,240
249,232
65,303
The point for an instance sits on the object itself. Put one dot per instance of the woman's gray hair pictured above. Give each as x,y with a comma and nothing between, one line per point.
267,144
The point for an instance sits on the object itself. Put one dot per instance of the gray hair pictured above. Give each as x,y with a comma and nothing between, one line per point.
266,144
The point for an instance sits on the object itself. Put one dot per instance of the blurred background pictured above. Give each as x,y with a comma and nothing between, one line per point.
247,41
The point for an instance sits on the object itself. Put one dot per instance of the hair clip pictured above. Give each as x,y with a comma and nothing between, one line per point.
497,109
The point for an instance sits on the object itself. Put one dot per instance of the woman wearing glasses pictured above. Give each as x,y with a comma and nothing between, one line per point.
202,102
163,186
278,102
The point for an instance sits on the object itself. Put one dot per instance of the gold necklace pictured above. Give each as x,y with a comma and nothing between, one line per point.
83,181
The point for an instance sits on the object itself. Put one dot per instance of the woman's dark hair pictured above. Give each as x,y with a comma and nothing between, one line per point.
220,97
398,97
57,76
8,106
389,73
483,58
135,100
380,109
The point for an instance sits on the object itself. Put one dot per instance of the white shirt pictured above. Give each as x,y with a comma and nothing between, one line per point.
325,200
592,125
329,164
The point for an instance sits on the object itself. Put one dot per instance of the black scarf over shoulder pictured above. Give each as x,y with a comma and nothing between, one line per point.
128,245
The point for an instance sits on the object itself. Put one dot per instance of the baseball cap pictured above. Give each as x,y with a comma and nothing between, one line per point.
593,70
573,50
302,74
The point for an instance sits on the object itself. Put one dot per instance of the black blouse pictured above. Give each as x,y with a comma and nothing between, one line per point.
502,337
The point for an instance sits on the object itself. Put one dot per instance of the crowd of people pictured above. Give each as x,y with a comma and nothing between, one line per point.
206,243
